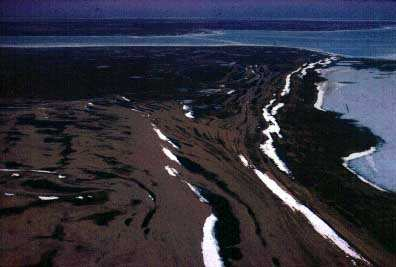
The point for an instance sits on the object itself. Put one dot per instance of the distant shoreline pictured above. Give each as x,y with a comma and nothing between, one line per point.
172,26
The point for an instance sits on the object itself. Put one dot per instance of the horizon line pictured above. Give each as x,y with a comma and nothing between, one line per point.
196,18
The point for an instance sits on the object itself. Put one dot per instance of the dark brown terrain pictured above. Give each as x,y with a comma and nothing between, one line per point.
87,117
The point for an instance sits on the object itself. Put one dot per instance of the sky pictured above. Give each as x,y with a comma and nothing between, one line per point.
247,9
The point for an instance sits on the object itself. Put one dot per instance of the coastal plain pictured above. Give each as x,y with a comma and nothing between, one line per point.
119,156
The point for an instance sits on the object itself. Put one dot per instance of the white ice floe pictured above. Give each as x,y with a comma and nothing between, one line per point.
171,171
357,155
197,193
230,92
125,99
80,197
318,224
60,176
46,198
170,155
286,88
162,136
244,161
9,194
90,104
210,247
15,174
275,109
321,87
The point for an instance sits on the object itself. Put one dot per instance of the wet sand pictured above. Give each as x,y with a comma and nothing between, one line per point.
139,154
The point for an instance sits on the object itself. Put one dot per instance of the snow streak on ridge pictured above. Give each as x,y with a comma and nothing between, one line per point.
271,110
210,246
162,136
317,223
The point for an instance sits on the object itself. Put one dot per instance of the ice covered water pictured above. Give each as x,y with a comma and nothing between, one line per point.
369,97
378,43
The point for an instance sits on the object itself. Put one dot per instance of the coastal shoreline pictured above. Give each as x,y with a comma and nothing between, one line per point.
336,87
202,149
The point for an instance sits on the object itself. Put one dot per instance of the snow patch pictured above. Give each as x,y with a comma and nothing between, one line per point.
197,193
230,92
275,109
47,198
171,171
357,155
163,137
9,194
189,114
323,63
15,174
21,170
125,99
321,87
286,88
305,69
268,147
210,247
151,197
244,161
170,155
